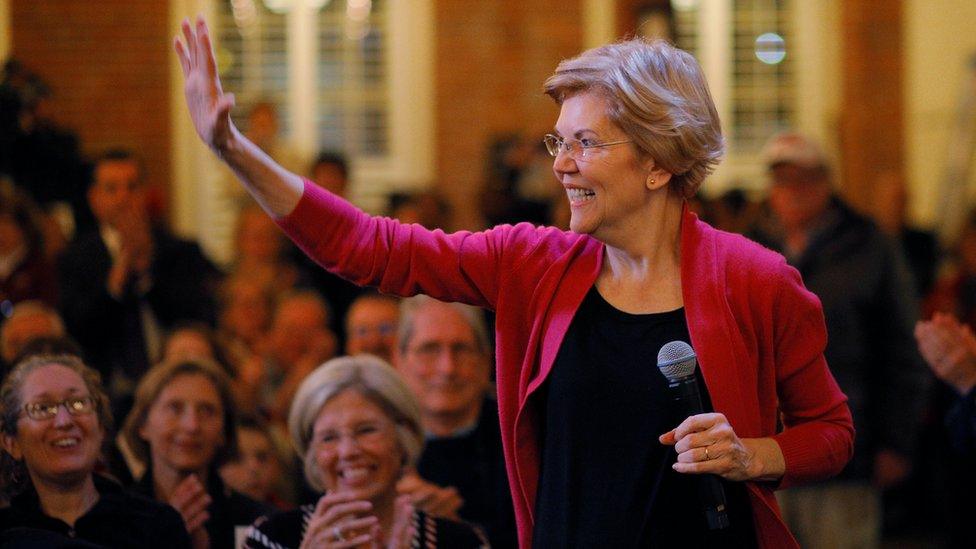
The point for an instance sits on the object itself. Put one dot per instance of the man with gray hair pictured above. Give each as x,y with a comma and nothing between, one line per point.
444,354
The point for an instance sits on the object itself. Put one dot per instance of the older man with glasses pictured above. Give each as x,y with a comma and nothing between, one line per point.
444,355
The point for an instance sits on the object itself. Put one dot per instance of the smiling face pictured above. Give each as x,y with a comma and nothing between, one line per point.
371,327
355,448
607,191
185,425
61,450
444,366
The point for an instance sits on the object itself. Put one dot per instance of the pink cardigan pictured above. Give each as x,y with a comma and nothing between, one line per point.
758,333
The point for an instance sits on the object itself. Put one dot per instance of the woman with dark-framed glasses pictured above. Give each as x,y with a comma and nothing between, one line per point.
597,452
55,417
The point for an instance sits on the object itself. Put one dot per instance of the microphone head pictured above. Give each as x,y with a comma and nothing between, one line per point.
677,360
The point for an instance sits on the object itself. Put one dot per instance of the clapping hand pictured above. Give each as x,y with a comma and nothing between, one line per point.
949,348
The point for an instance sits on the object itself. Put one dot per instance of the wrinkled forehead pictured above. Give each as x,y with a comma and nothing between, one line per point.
586,111
52,381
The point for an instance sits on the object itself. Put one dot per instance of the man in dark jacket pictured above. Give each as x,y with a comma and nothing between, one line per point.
870,307
125,283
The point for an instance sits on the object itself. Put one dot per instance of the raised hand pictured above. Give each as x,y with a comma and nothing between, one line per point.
209,106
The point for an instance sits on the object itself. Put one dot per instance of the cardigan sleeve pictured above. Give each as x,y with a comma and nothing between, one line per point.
818,439
404,259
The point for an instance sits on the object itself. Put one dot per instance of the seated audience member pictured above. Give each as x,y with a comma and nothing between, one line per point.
25,272
28,320
300,340
371,325
357,427
55,417
260,247
189,341
330,170
125,283
257,469
244,317
444,356
181,429
424,208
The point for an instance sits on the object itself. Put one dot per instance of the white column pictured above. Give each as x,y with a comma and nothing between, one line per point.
715,56
302,56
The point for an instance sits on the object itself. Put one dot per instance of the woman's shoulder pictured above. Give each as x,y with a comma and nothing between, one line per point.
130,504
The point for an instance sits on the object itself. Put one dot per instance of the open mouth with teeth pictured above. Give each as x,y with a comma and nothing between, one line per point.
67,442
579,196
355,476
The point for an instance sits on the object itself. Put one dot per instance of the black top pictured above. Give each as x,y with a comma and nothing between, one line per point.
473,463
228,509
118,519
606,481
286,529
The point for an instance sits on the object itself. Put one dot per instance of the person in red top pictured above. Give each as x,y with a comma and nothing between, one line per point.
636,136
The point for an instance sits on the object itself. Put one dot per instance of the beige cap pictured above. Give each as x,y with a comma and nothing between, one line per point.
793,148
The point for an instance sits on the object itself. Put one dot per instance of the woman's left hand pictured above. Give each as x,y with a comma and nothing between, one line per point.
706,443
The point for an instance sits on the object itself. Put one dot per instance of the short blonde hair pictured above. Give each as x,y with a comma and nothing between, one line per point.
375,380
152,385
657,94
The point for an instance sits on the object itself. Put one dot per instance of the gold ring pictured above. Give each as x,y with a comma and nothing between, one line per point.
706,454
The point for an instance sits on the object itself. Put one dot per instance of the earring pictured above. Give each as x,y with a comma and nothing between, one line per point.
650,181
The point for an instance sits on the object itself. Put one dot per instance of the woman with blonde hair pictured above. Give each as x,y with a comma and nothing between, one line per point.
181,429
356,426
580,314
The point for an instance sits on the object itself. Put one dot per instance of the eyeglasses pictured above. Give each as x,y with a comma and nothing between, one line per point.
428,353
76,406
577,149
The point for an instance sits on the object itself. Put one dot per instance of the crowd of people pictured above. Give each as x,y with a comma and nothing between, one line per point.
150,397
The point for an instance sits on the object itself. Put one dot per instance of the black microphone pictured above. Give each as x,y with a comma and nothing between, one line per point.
677,361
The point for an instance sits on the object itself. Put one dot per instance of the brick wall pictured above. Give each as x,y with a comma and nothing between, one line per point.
107,62
872,132
492,58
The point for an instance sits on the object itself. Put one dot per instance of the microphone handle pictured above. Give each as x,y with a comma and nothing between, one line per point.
711,494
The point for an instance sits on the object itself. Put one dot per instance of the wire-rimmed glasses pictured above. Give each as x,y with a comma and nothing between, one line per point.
576,149
76,406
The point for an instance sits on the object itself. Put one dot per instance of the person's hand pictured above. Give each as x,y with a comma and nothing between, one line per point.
209,106
191,500
340,521
429,497
706,443
402,532
949,348
890,468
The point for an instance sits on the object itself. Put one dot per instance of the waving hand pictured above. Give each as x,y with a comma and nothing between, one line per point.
209,105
